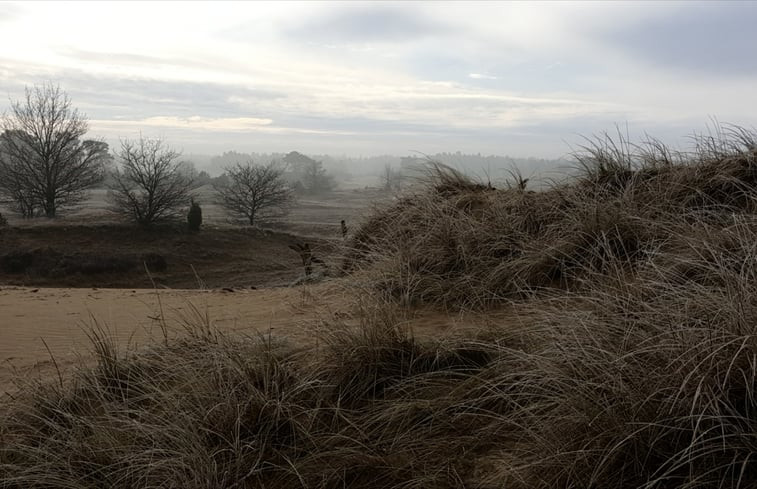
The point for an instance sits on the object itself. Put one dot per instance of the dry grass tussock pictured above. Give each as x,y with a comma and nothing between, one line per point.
638,369
462,243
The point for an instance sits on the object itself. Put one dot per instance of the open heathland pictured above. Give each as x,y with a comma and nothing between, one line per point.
115,255
91,248
615,346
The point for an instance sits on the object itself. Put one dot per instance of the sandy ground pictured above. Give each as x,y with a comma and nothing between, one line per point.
43,330
37,325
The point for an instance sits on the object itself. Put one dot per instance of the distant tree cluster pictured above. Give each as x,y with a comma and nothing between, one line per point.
229,158
47,164
151,184
306,174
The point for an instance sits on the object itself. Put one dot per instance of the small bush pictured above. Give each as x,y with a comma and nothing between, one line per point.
194,217
155,262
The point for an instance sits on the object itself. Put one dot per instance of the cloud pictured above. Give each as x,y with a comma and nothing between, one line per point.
114,96
113,58
198,124
194,123
715,39
9,12
369,23
421,76
481,76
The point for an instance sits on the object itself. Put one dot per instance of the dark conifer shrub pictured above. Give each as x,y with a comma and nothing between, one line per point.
194,216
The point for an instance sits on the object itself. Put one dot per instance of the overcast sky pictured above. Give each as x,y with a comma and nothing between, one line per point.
523,79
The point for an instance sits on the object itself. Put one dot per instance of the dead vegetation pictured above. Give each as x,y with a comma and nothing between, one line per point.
636,368
461,243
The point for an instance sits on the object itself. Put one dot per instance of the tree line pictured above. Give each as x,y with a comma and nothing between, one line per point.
47,164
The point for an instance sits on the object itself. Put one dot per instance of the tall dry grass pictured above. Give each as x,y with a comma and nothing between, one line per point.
462,243
636,367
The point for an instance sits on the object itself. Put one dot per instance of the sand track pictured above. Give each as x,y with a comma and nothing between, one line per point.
36,323
39,324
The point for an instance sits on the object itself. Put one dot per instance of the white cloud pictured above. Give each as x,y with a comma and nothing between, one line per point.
231,124
242,125
481,76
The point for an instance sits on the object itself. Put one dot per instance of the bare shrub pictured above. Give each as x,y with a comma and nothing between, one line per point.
391,178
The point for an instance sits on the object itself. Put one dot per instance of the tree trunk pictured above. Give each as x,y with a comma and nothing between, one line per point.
50,208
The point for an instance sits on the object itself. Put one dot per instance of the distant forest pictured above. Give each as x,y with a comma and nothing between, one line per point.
487,167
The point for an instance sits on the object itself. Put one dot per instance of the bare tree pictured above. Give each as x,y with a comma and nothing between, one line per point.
44,163
391,178
255,191
150,184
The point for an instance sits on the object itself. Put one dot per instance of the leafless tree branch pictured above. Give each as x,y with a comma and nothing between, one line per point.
149,185
255,191
44,163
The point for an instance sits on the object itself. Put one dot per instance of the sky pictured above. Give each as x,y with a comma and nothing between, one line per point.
369,78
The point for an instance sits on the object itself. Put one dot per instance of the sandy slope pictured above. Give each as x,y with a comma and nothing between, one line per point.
33,320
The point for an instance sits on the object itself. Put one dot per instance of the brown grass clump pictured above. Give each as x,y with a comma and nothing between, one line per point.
640,385
463,244
636,368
